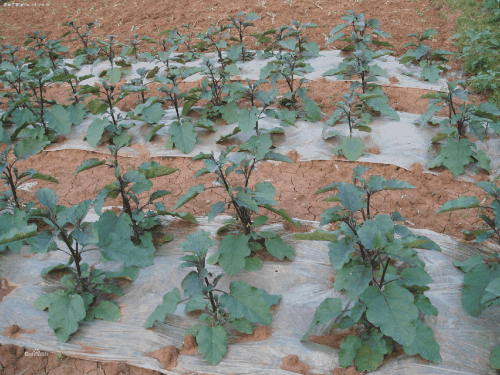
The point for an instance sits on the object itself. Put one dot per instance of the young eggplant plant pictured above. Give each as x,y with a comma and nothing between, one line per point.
463,119
381,273
240,307
86,290
139,223
240,23
237,248
431,62
482,278
350,111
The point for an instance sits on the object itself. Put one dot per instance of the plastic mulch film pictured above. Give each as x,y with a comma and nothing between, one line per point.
466,342
400,143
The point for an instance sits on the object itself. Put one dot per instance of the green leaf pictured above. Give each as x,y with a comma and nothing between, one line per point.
212,343
198,243
232,253
393,311
253,264
153,114
327,311
168,306
459,204
47,270
43,302
424,343
88,164
354,277
129,273
348,350
483,160
317,235
415,276
192,285
96,106
153,169
58,119
312,109
431,73
351,197
107,310
282,212
495,358
247,119
425,305
454,156
473,292
95,130
191,193
195,303
30,146
278,249
368,359
216,209
341,251
352,148
246,301
47,198
64,315
184,136
243,325
15,228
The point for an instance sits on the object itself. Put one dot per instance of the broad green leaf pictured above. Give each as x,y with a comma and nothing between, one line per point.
168,306
212,343
246,301
88,164
95,130
196,303
282,212
216,209
415,276
129,273
64,315
351,197
58,119
107,310
44,177
30,146
454,156
153,131
352,148
483,160
312,109
459,204
425,305
271,155
198,243
47,198
76,113
153,114
243,325
327,311
232,253
431,73
278,249
230,113
153,170
424,343
192,284
341,251
493,287
184,136
368,359
191,193
348,350
473,292
96,106
247,119
317,235
253,264
393,311
15,228
43,302
354,277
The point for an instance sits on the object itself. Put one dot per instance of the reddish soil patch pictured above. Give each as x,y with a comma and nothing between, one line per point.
16,360
260,333
167,356
189,347
294,364
5,288
14,331
334,339
295,186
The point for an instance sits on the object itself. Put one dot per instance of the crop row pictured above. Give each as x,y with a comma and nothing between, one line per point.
375,258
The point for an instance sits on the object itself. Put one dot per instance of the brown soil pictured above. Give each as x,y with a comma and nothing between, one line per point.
333,339
5,288
295,184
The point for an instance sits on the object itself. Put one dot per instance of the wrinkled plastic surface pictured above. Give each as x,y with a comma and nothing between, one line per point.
466,342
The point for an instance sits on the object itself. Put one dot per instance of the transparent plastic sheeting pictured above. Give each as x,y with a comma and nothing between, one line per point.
466,342
407,75
400,143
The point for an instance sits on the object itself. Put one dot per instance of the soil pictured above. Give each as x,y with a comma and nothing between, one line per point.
295,183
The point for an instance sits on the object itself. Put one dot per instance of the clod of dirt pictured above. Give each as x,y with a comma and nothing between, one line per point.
394,80
374,150
167,356
259,334
293,155
11,330
292,363
416,168
5,288
446,177
333,339
289,227
9,354
345,371
190,347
